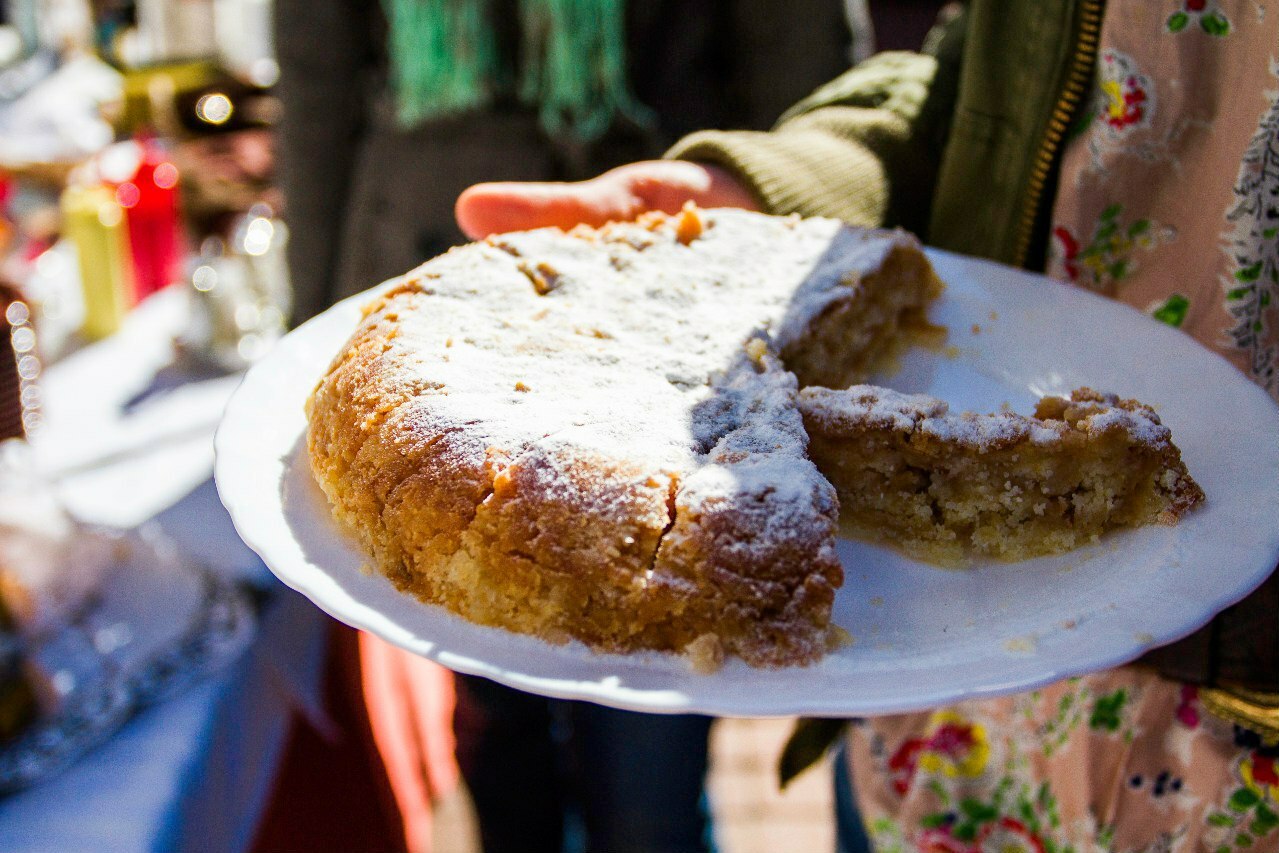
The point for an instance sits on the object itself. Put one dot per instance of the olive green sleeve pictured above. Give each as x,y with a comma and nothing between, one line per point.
863,148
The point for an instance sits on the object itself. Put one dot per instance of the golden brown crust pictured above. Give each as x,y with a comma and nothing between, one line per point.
382,461
716,539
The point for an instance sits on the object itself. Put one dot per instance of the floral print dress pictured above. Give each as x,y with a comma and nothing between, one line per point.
1167,193
1118,761
1168,200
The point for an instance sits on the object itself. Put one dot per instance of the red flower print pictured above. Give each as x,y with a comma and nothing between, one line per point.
1187,714
902,764
1069,252
1264,771
1214,22
1260,778
1131,111
951,740
1008,835
939,840
1124,96
954,746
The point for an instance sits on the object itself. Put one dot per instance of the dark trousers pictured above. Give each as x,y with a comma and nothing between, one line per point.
549,775
850,832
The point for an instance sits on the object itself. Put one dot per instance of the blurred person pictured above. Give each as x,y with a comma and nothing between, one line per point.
1127,147
389,111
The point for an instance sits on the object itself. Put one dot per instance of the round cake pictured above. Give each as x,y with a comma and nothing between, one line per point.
595,434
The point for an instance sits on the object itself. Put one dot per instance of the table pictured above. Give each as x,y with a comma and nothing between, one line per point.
128,437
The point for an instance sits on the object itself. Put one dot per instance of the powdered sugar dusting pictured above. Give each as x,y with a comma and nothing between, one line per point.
868,406
1140,423
627,340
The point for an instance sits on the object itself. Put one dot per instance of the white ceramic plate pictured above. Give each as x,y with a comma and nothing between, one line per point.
923,636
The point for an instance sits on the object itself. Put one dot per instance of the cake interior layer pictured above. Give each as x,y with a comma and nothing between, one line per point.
884,316
944,504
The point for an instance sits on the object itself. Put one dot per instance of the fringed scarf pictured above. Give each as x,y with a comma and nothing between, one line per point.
444,61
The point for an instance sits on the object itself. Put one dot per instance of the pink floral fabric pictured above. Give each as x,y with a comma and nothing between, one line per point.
1166,196
1118,761
1168,199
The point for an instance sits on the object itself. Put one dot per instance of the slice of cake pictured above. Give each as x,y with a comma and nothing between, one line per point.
943,487
595,434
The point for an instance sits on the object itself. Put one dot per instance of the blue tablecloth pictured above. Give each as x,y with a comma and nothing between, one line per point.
129,440
193,773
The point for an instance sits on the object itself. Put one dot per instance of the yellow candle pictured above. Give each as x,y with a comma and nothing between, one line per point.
94,222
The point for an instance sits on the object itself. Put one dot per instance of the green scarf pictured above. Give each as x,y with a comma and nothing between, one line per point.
444,61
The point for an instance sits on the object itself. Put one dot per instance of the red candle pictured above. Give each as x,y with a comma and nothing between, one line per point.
150,202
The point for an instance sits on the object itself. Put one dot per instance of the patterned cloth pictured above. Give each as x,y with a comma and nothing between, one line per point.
1168,200
1122,760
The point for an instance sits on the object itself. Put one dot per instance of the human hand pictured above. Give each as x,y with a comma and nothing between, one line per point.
619,194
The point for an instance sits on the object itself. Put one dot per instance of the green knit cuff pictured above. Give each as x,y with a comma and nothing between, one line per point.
806,171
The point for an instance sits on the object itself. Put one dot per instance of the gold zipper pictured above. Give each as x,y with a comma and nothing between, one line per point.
1078,79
